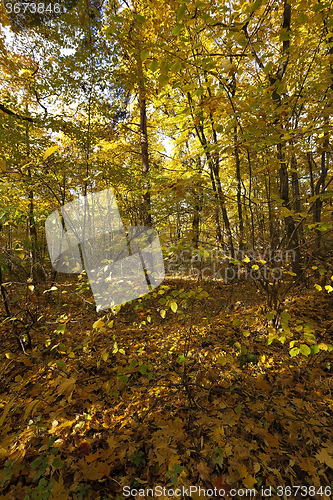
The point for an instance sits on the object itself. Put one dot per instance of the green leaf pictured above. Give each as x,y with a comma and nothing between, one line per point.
163,79
255,6
36,463
140,18
176,66
302,18
61,364
285,316
133,364
318,7
178,468
154,66
61,328
181,358
294,352
117,19
305,349
284,37
177,29
144,54
143,369
174,480
57,462
268,67
181,12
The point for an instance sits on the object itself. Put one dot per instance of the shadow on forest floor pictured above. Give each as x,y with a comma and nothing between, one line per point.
145,398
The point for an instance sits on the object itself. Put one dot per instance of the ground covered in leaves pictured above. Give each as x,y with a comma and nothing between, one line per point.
189,386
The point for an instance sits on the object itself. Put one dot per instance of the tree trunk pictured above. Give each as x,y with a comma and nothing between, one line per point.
146,204
239,193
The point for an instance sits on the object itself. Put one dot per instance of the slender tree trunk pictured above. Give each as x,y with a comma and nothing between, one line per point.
146,202
309,155
320,185
197,194
250,200
32,236
239,193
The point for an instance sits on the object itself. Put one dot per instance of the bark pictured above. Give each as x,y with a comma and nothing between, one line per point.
146,202
214,168
250,201
32,236
239,193
320,185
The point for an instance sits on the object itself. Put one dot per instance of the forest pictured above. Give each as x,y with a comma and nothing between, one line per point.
205,369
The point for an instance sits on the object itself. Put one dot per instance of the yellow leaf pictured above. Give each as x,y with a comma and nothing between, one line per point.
67,386
98,324
10,355
96,470
174,306
59,490
318,287
329,288
105,356
249,481
325,458
226,65
31,408
223,360
5,412
31,288
163,313
246,259
256,467
50,151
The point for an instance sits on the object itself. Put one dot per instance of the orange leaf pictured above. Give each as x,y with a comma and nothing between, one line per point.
95,470
262,385
325,458
92,457
204,471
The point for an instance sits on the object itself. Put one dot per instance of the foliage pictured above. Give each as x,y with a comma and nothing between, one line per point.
212,122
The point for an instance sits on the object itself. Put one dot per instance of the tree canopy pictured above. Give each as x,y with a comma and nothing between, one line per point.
211,121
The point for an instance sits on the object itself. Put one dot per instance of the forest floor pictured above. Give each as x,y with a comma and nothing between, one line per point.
206,396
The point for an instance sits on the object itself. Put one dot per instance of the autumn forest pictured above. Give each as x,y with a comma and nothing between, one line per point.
206,126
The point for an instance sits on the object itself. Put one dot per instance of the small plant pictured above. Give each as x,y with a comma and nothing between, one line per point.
43,491
174,473
137,458
82,491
